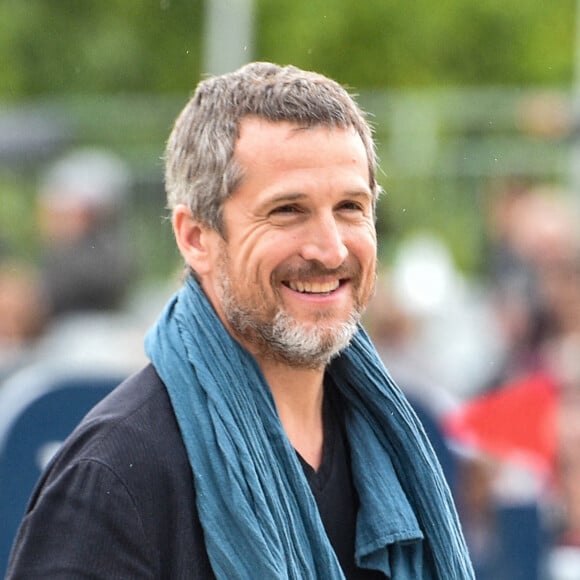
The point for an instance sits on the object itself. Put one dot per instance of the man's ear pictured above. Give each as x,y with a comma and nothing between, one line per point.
193,239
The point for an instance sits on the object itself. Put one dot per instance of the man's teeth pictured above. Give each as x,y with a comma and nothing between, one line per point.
314,287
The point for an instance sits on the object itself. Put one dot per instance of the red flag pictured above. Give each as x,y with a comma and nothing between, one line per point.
516,422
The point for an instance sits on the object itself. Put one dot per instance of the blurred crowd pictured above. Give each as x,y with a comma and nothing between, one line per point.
75,303
495,359
491,363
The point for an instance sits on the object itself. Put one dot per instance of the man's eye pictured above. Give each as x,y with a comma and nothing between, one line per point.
286,209
351,206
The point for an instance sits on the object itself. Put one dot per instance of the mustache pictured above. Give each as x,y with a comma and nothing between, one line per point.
313,269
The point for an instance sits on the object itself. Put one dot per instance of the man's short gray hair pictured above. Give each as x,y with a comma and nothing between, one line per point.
200,169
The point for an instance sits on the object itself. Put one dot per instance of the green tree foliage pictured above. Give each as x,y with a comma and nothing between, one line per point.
112,46
388,43
68,47
118,71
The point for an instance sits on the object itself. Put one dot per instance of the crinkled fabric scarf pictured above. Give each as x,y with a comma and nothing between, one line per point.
259,517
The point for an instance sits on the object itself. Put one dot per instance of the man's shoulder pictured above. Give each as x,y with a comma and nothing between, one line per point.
130,441
140,397
133,426
121,477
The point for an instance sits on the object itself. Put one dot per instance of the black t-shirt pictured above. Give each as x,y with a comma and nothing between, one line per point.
333,488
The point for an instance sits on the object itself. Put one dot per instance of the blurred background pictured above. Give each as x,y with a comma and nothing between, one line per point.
476,110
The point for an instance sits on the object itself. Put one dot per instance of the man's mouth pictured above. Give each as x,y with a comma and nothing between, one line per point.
307,287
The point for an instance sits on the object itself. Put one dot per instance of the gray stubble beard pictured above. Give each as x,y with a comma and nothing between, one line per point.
282,338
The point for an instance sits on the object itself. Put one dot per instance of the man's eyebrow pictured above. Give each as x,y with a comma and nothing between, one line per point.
291,197
285,198
359,193
295,196
279,199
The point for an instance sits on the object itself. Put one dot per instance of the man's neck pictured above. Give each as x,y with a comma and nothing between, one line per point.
298,395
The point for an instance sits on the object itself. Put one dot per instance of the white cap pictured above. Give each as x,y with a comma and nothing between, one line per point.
92,177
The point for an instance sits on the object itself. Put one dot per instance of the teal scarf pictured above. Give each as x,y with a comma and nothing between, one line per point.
259,517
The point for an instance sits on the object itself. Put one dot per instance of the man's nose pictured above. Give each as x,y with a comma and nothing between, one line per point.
324,242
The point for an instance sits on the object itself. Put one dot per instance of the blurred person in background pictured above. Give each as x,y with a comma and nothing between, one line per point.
433,325
23,315
562,356
86,264
395,333
512,280
523,430
265,440
531,229
71,310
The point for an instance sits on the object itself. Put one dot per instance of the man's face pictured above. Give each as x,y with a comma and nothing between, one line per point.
297,266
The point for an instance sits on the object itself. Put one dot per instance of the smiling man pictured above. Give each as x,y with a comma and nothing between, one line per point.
265,439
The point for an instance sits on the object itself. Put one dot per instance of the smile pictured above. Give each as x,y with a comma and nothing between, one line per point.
313,287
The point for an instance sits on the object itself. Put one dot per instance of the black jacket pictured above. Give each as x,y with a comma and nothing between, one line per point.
124,474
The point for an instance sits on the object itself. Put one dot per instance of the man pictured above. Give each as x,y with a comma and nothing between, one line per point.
266,439
85,264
